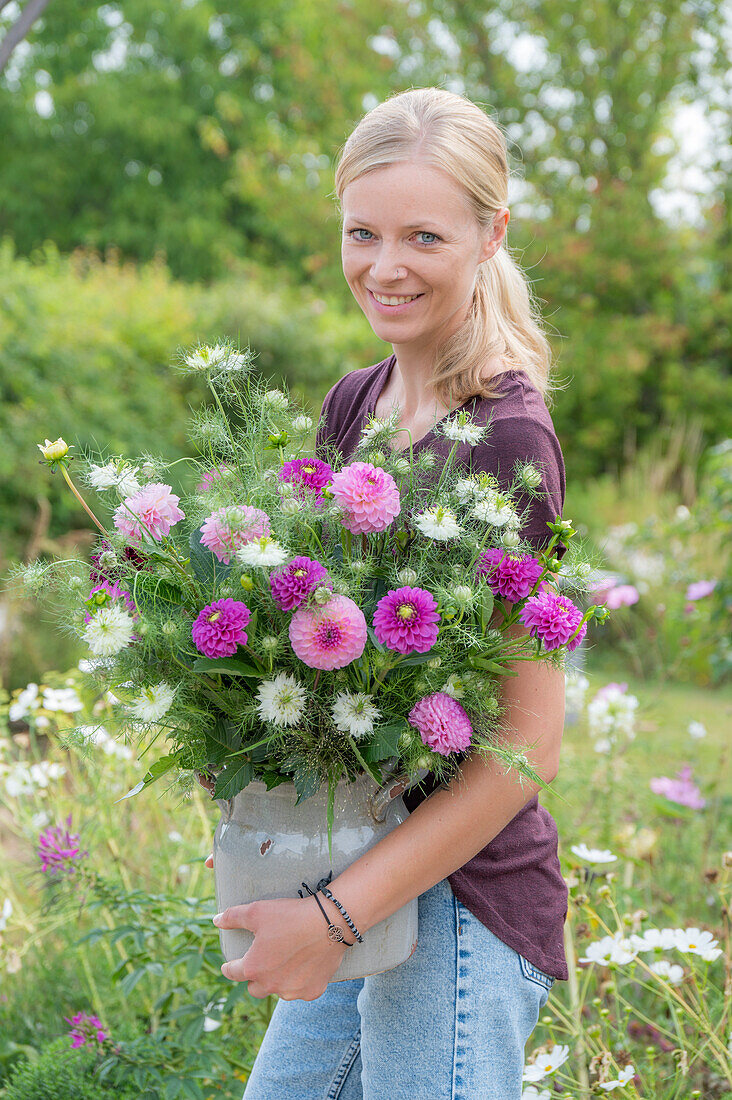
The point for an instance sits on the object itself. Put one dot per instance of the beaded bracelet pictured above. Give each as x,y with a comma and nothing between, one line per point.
334,932
346,917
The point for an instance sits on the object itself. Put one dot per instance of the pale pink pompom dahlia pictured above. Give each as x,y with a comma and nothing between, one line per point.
330,636
229,528
368,496
443,724
151,512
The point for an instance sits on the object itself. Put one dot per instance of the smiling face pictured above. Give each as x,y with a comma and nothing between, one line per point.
409,230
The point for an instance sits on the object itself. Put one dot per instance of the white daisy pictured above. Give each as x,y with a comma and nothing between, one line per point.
108,631
302,424
671,971
281,700
438,523
154,702
264,551
461,429
593,855
354,713
546,1063
625,1077
696,942
610,949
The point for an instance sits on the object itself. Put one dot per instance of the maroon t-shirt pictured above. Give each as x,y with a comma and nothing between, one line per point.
514,885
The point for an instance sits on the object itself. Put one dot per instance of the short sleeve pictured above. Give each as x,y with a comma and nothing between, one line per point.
518,439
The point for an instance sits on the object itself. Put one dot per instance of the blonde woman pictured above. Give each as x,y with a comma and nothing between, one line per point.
422,184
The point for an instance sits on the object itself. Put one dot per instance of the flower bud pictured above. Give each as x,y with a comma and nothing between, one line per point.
270,641
407,577
246,582
53,452
463,594
401,466
302,424
424,762
275,400
169,627
530,476
378,458
435,662
510,538
322,595
291,506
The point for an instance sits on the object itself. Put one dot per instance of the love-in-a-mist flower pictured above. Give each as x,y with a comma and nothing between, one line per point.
292,585
59,849
368,496
461,429
306,475
148,514
378,431
219,627
438,523
494,508
229,528
355,713
109,630
510,576
154,702
554,619
406,620
442,723
265,552
281,700
330,636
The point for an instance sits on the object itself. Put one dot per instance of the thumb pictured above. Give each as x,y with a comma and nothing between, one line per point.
237,916
209,860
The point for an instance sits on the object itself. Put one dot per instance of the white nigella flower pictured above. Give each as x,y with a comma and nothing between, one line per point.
696,942
102,477
302,424
378,430
64,700
154,702
354,713
610,949
454,686
624,1078
467,488
655,939
207,357
546,1063
696,730
593,855
438,523
264,551
281,700
127,483
108,631
672,972
275,400
493,508
461,429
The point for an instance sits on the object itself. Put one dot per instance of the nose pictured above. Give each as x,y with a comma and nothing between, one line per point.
387,266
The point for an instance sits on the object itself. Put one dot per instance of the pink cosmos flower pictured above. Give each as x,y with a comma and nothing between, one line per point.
214,474
308,475
406,620
85,1028
699,589
682,790
553,618
293,584
330,636
219,628
510,577
113,592
228,528
608,689
149,513
59,850
442,723
368,496
622,595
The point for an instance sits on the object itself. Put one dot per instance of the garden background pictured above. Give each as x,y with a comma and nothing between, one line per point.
167,179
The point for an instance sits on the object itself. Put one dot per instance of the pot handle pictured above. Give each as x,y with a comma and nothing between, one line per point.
392,787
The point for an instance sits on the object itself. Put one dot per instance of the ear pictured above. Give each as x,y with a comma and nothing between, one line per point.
493,236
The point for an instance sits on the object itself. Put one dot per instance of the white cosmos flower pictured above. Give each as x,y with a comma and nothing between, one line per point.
355,713
655,939
108,631
154,702
281,700
593,855
575,689
603,745
696,730
546,1063
302,424
612,712
438,523
263,551
460,429
532,1093
671,971
62,699
697,942
610,949
625,1077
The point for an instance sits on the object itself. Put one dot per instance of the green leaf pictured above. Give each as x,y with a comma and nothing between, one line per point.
228,666
205,565
385,742
155,771
233,779
486,607
307,783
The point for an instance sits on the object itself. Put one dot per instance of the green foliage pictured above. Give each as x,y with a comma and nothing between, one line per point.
62,1073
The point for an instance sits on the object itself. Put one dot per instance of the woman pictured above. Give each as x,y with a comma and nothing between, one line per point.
422,183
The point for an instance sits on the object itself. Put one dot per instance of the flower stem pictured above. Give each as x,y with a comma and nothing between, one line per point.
79,497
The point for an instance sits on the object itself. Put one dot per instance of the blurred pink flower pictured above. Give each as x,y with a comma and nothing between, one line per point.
231,527
699,589
682,790
368,496
330,636
150,512
622,595
442,723
85,1028
58,849
608,689
210,476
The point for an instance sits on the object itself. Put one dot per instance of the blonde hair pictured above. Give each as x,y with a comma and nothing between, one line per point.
452,133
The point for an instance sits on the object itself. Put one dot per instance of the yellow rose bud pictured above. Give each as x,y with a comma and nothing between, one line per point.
55,451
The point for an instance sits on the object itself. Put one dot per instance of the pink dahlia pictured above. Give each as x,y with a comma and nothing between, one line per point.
442,723
553,618
294,583
112,592
228,528
152,511
219,628
406,620
306,474
214,474
330,636
510,577
368,496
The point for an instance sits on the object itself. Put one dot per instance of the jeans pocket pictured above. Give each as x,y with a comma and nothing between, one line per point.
535,975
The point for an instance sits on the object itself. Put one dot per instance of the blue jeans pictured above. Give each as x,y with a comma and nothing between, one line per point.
450,1023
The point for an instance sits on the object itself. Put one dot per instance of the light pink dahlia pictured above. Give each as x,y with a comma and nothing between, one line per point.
292,584
553,618
219,628
330,636
442,723
406,620
214,474
151,512
368,496
510,577
228,528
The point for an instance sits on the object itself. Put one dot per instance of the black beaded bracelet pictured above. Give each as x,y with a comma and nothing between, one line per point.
346,917
334,932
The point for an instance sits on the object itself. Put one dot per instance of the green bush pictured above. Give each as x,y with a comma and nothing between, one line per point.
62,1073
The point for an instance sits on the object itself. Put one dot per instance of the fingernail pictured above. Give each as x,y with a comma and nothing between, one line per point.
217,918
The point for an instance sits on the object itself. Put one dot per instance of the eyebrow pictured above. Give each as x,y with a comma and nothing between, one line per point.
415,225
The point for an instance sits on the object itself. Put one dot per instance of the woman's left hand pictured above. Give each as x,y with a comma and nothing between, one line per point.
291,956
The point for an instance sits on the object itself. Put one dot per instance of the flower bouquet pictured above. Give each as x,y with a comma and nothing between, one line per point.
307,624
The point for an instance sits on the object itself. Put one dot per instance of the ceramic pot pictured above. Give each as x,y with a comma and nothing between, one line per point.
265,847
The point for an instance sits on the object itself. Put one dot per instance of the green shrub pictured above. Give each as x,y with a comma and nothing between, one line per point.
62,1073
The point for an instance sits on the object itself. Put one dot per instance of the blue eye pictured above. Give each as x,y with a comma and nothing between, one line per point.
426,233
352,231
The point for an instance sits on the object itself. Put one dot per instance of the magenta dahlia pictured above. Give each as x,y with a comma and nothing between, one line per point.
510,577
330,636
442,723
150,512
406,620
219,628
229,528
293,584
553,618
368,496
307,475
